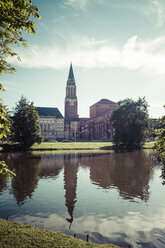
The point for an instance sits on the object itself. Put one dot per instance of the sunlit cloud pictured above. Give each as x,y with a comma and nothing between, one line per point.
147,56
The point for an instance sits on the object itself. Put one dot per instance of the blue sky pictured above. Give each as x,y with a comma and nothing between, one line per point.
117,48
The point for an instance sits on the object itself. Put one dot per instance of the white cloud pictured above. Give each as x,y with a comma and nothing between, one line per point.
10,86
147,56
77,4
131,228
154,10
157,9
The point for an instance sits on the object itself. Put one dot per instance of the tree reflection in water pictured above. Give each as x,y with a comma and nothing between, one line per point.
3,183
102,178
27,169
129,172
51,165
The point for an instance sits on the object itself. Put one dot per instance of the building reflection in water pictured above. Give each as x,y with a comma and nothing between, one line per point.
70,183
129,172
51,165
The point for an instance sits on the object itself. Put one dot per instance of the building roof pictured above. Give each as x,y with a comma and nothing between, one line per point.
44,111
68,120
71,79
105,101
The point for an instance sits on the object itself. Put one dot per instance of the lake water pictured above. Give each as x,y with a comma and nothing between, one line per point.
115,198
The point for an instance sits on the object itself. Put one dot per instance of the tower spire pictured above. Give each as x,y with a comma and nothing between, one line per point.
71,98
71,79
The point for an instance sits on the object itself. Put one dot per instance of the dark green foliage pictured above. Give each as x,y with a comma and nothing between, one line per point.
5,122
160,140
26,128
155,123
132,124
5,126
14,18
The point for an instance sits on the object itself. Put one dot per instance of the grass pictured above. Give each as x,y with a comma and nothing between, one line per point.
14,235
95,146
70,145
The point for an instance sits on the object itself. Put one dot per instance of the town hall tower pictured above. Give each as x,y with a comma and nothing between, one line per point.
71,98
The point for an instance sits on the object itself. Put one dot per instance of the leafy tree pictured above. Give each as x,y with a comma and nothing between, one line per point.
14,19
4,132
131,123
26,127
160,140
4,121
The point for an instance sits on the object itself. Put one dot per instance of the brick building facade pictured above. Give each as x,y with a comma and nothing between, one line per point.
56,127
97,126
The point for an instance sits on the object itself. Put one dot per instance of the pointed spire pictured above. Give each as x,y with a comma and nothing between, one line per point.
71,75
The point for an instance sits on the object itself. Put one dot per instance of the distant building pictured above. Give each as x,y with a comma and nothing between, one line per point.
71,98
71,104
56,127
52,123
97,126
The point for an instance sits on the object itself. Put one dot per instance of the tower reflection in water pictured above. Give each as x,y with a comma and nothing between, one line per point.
70,184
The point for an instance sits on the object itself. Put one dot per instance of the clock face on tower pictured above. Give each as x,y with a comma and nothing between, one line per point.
72,103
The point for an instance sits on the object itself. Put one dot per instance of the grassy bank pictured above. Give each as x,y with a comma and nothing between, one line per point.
71,145
79,145
14,235
68,146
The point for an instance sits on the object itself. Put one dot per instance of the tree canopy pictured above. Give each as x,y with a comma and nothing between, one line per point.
14,19
25,125
4,121
5,125
131,123
160,140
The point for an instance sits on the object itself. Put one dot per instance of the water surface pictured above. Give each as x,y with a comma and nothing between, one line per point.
115,198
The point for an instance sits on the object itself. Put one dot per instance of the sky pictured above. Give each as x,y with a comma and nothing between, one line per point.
117,49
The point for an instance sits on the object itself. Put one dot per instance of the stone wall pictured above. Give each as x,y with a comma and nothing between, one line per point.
52,128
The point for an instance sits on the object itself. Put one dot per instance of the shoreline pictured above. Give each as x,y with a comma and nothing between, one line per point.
70,146
16,235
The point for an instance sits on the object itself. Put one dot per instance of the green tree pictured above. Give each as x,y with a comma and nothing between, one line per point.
4,132
131,123
26,127
160,140
5,122
14,19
